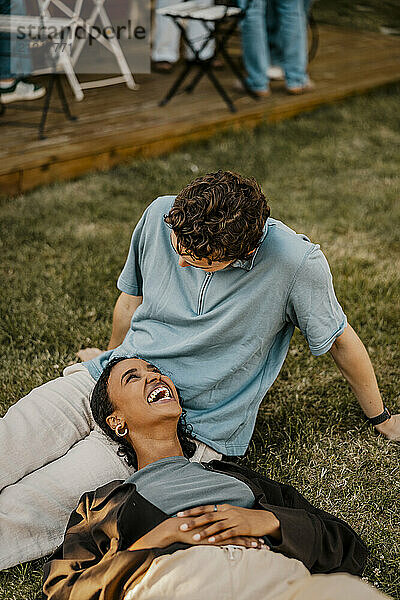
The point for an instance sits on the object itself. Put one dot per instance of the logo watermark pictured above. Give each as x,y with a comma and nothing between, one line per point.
100,39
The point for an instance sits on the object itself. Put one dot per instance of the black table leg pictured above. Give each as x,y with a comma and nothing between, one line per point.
220,90
176,85
46,106
189,88
61,95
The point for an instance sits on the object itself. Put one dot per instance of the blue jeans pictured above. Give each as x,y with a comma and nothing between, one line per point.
292,33
255,44
275,49
15,56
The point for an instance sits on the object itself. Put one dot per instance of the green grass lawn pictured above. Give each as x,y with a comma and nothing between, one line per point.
333,174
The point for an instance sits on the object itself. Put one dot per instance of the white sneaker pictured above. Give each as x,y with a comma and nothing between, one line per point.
275,73
21,90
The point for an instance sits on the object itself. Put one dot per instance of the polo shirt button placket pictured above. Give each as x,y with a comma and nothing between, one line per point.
203,289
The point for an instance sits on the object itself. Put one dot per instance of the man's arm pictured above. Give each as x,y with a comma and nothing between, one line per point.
123,313
352,359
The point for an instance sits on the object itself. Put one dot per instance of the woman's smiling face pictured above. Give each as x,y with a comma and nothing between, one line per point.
141,395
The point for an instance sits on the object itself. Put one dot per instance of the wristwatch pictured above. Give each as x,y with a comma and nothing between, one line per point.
384,416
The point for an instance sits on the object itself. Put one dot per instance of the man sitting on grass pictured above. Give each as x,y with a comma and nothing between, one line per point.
211,293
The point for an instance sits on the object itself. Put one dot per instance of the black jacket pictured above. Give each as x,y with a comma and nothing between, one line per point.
93,562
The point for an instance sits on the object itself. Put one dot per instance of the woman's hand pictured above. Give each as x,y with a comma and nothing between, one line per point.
216,526
170,531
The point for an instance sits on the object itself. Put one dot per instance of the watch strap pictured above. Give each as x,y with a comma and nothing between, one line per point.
384,416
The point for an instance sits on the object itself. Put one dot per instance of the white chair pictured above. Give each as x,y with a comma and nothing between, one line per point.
69,57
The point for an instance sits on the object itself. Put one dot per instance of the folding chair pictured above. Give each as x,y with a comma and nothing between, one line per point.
72,52
52,29
219,22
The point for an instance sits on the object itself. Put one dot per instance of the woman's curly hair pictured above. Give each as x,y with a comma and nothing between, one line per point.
220,216
102,408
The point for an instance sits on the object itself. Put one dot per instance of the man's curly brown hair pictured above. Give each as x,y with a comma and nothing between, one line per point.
219,216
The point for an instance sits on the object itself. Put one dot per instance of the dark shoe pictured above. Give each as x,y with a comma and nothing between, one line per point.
218,64
163,66
303,89
239,87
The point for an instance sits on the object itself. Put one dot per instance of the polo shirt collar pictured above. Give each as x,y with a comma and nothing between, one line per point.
247,265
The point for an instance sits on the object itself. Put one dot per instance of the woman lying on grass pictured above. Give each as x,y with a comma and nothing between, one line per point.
183,530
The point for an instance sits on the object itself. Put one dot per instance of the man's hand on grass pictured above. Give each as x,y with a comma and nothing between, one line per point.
390,428
88,353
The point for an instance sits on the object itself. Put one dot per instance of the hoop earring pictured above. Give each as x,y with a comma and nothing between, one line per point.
120,433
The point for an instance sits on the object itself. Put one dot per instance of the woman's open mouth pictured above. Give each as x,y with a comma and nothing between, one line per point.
160,394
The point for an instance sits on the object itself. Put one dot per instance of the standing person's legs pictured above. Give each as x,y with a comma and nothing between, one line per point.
166,37
45,424
21,61
5,46
293,40
275,46
307,6
34,511
255,46
275,50
15,55
197,34
15,61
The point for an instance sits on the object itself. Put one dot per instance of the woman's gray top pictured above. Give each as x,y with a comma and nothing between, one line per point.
175,484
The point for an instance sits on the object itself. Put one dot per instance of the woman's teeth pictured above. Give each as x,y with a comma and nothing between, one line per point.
161,392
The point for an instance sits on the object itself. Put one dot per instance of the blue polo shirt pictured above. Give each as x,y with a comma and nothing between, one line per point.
222,337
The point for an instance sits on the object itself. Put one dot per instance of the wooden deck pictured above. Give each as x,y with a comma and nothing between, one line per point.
116,123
